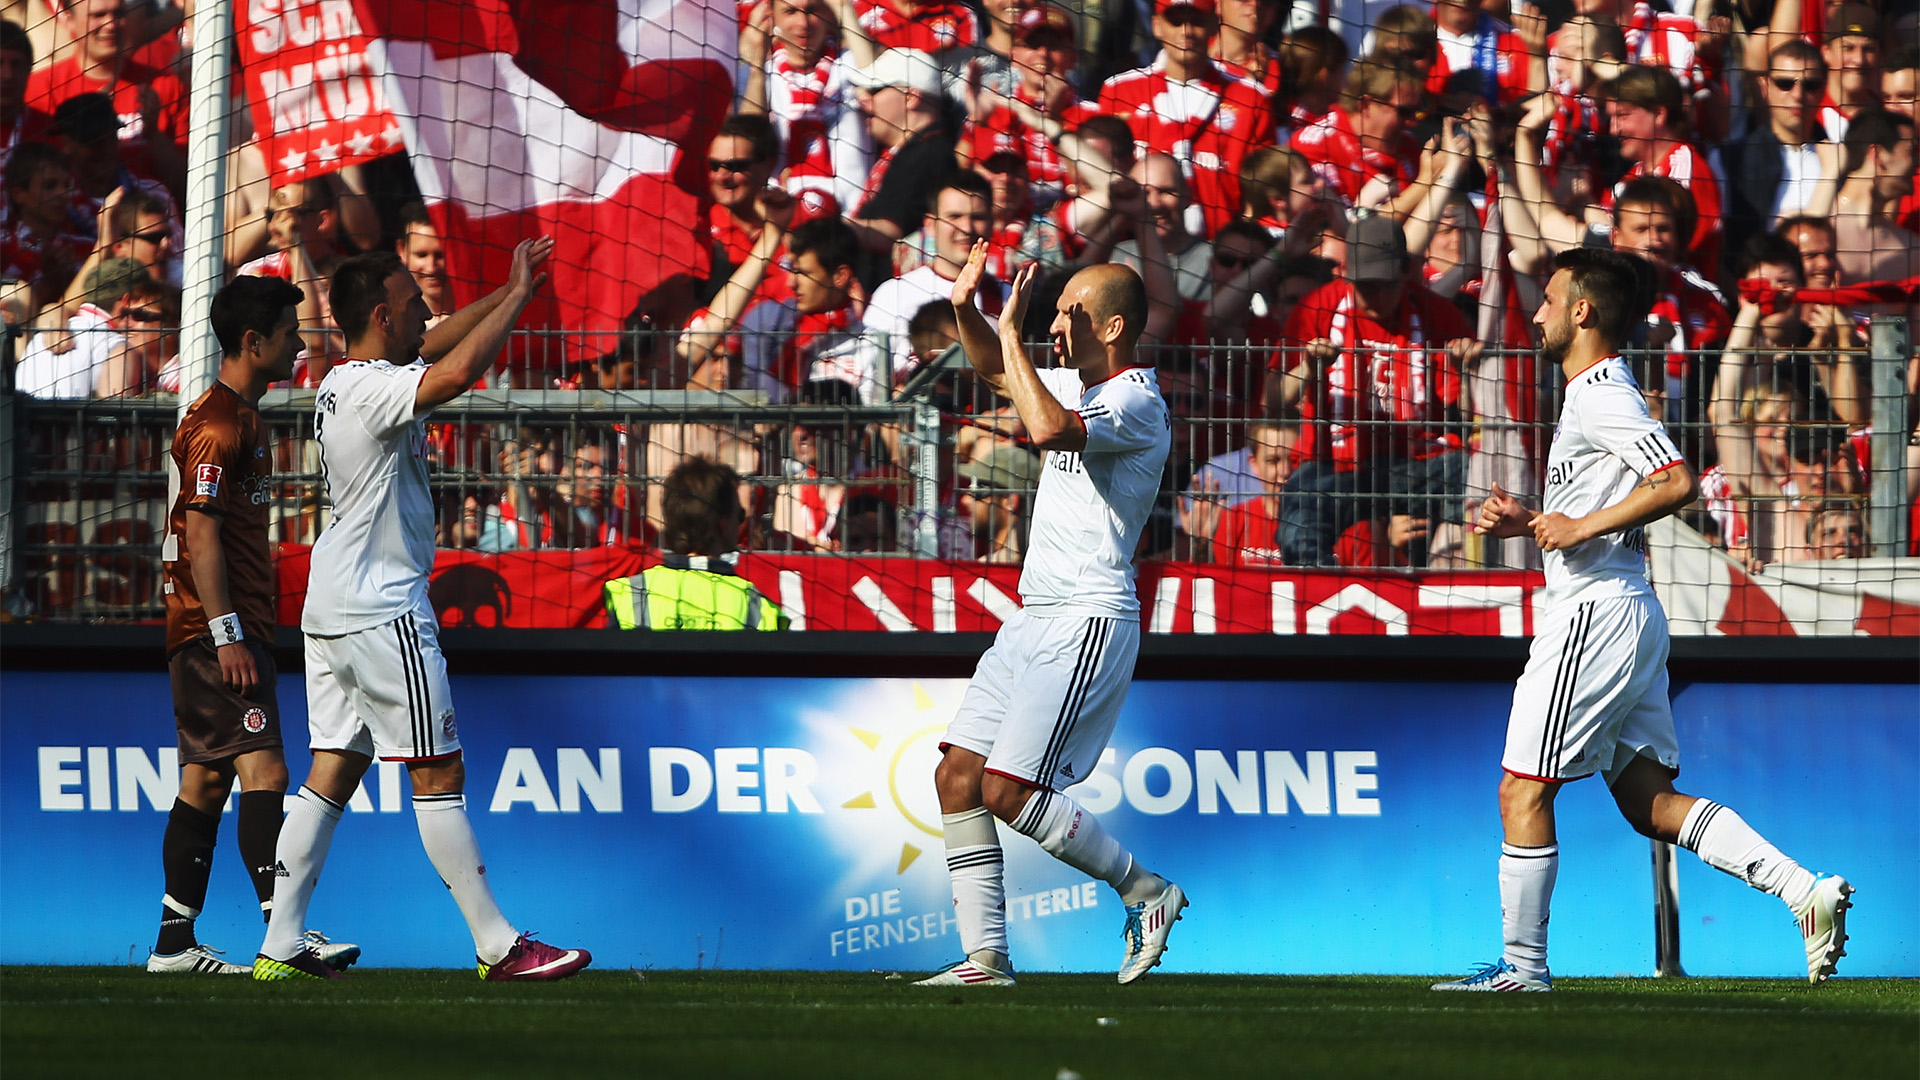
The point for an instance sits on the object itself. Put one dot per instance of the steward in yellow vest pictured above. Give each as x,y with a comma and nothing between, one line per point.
697,590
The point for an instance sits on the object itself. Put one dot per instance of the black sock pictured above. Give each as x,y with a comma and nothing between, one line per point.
261,814
186,858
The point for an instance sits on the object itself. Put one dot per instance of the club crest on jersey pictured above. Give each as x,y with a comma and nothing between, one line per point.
206,481
255,721
446,724
946,33
1228,118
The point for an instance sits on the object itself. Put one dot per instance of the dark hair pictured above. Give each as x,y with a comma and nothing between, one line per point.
696,495
29,159
1406,21
1652,89
1116,131
1660,193
359,286
1807,443
1798,49
135,202
13,38
250,303
1906,55
413,212
1766,248
935,316
757,130
1310,54
1246,230
1619,286
1869,128
831,240
959,180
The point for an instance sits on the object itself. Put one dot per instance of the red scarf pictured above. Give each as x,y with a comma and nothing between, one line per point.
795,361
1772,301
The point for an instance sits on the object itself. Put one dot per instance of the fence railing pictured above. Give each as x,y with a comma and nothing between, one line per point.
1381,480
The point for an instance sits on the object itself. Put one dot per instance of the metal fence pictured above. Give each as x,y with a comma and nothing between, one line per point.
941,469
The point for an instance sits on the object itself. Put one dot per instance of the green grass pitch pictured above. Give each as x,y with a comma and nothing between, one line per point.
122,1022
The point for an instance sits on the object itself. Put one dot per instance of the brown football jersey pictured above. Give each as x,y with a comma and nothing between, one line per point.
220,458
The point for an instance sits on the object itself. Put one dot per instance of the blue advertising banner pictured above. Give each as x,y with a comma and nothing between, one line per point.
1318,827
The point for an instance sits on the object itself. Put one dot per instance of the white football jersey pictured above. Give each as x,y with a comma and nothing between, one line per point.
370,566
1092,506
1605,443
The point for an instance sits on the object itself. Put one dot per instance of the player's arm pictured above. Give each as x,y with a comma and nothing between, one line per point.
1051,425
462,366
209,566
447,333
1656,496
977,337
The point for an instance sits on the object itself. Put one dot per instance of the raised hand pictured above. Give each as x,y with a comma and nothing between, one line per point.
756,40
967,282
777,208
528,255
1014,314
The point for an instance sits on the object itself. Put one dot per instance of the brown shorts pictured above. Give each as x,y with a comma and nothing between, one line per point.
217,722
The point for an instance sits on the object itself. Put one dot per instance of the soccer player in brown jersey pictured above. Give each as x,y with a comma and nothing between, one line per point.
220,592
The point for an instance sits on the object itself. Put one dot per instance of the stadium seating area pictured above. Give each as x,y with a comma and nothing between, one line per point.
759,210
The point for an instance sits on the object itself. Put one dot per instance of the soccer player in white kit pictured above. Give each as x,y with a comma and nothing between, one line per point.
1593,697
1044,698
376,682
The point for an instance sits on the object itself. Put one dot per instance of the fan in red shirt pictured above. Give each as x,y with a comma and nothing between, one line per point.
150,101
1373,364
1649,217
1645,112
740,163
1241,49
905,24
1185,107
1479,55
1368,132
1044,56
1248,533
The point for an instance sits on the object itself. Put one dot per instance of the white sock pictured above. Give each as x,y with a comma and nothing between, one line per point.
1069,833
448,837
1727,843
300,853
977,868
1526,893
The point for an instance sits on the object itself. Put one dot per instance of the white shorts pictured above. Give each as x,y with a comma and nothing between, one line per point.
1042,704
382,692
1594,694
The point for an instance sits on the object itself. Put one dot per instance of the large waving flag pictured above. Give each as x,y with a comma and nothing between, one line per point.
587,120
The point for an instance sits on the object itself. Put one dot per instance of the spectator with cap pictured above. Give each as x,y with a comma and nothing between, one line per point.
1373,364
900,94
1852,53
1044,58
99,363
996,489
150,104
1185,107
695,586
1772,171
933,27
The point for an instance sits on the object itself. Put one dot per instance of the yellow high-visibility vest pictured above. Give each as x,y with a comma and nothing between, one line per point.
690,593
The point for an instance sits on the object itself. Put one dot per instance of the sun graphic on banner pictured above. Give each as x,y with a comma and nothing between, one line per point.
897,750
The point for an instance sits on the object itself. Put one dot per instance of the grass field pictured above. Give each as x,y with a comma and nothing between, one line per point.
121,1022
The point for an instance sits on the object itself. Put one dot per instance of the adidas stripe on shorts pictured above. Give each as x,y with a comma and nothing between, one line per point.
382,692
1594,693
1043,702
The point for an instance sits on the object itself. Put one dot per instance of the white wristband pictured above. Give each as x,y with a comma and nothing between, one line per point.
225,629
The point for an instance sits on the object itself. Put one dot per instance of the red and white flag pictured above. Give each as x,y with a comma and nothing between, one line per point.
585,120
317,104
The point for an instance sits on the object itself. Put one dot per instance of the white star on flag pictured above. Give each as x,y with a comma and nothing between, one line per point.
327,151
392,135
294,160
360,145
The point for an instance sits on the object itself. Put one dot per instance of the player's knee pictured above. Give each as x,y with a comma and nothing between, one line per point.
1521,798
1003,797
438,776
957,782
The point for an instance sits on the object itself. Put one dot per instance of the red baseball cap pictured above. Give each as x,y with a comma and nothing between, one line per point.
1207,6
1044,20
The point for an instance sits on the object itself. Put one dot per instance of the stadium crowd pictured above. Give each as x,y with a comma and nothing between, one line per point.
1342,210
